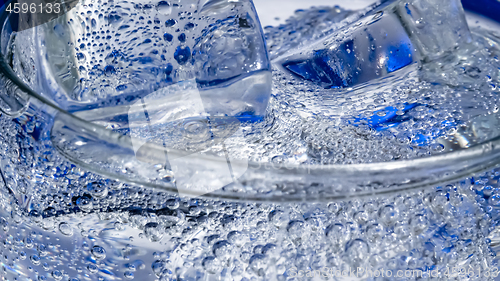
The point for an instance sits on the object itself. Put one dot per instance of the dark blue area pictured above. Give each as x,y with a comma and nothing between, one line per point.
390,119
318,70
143,60
109,70
488,8
215,82
399,57
189,26
170,22
182,55
168,37
249,116
182,38
408,11
121,87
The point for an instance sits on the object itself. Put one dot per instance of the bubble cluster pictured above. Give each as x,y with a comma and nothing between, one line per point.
161,239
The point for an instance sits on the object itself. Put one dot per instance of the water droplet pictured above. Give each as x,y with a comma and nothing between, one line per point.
98,252
121,87
168,37
258,264
84,202
4,224
182,55
57,275
211,265
357,252
99,193
128,275
388,214
153,231
28,242
170,22
182,37
99,189
222,249
80,56
237,238
375,232
92,268
35,216
279,159
163,7
157,267
189,26
35,259
278,218
338,235
118,226
420,23
494,200
65,229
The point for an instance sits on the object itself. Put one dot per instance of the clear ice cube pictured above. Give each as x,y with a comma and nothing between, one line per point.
122,51
392,36
179,75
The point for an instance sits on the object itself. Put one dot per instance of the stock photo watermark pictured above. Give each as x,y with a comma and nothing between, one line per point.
363,272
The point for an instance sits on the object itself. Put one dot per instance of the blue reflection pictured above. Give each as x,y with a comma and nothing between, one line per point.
399,57
343,67
488,8
389,119
330,69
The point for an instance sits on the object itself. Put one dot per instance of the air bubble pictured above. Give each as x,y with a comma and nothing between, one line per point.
92,268
65,229
153,231
57,275
211,265
163,7
98,252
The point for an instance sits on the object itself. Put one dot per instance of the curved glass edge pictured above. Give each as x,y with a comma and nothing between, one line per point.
267,181
262,182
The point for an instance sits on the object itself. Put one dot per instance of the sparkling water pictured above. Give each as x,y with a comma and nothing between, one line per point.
62,222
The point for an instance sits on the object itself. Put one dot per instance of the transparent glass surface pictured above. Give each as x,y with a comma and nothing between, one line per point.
239,140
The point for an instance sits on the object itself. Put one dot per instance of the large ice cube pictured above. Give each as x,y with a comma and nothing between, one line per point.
392,36
111,55
166,74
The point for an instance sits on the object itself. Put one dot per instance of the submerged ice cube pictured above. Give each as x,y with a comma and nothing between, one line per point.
392,36
167,76
124,51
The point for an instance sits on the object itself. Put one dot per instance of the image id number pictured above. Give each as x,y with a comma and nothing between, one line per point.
33,8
